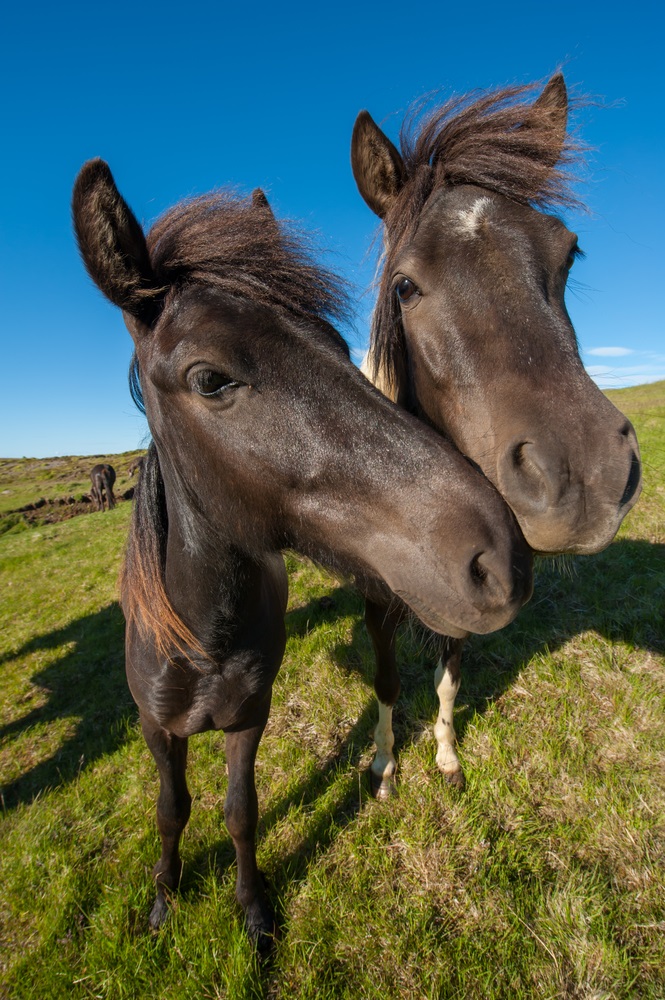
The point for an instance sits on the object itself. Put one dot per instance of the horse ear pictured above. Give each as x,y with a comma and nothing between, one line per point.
260,202
549,114
112,243
377,165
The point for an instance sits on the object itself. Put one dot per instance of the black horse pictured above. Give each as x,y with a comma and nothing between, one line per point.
265,437
103,480
471,333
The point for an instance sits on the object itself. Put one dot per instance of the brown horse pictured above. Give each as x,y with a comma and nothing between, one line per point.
471,333
136,465
265,436
103,480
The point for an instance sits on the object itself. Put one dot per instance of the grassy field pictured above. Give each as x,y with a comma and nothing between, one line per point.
545,878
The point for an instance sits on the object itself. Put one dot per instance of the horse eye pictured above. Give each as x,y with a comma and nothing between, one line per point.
208,382
405,289
573,255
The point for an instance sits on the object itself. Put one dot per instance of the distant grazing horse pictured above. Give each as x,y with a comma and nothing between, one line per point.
471,334
265,436
136,465
103,480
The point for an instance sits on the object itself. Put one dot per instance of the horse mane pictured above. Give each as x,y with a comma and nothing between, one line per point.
499,140
236,244
144,599
226,241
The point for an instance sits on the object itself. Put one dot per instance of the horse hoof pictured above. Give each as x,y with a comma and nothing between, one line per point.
261,934
159,913
456,779
381,787
260,925
264,943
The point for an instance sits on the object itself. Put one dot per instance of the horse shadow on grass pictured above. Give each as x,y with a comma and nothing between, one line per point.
619,594
88,685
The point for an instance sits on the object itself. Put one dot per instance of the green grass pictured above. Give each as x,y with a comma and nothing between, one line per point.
544,879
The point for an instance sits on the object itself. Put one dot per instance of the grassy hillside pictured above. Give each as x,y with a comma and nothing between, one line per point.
62,482
545,878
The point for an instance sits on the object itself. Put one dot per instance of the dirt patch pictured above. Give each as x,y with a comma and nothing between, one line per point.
45,511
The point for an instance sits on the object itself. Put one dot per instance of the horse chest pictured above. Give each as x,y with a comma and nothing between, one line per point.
184,700
231,699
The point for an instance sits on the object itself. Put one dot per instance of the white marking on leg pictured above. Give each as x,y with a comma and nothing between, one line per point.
444,730
384,764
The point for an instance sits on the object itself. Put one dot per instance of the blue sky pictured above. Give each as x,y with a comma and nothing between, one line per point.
182,98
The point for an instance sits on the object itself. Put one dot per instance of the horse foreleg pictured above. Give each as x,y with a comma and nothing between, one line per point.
241,812
447,677
173,809
382,623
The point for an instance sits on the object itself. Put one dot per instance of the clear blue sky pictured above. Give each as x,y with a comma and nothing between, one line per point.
182,98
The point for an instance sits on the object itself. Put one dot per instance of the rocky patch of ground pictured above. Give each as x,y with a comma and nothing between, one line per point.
45,511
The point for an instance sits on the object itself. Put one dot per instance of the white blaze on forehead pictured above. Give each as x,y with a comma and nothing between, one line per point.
469,219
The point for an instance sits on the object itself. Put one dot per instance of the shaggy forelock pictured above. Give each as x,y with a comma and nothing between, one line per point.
476,139
220,239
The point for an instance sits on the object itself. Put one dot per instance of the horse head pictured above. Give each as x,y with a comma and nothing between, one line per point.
471,330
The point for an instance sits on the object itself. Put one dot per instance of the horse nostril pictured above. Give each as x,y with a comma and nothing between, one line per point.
518,454
491,579
525,475
477,571
528,462
499,580
634,477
